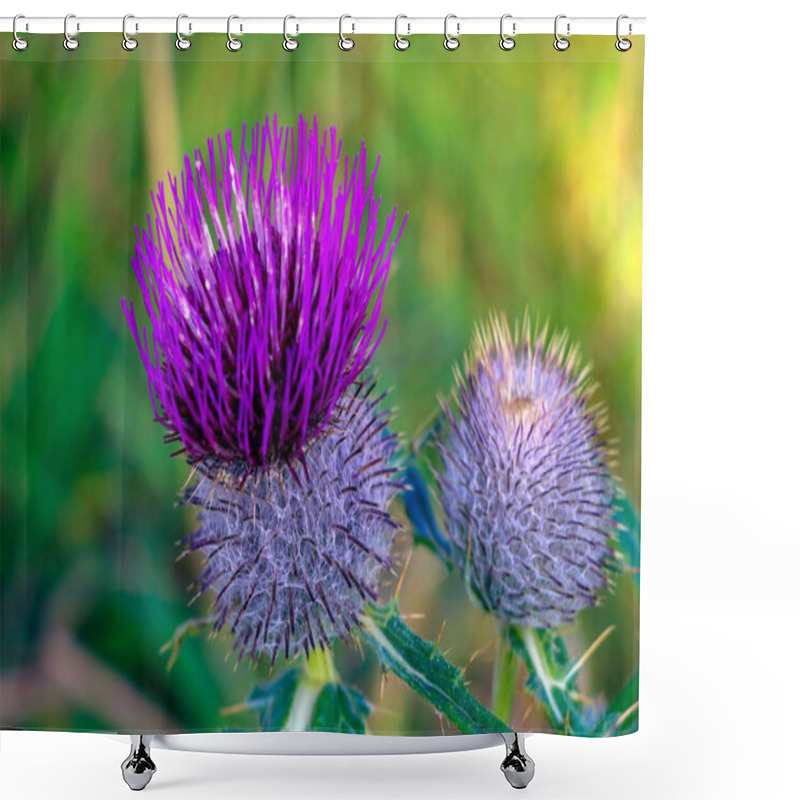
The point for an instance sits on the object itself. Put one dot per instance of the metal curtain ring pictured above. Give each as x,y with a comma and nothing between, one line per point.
623,45
345,42
451,42
70,42
506,42
181,42
128,42
19,44
401,42
560,43
290,44
234,44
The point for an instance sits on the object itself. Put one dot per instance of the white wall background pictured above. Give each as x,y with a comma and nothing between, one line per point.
720,697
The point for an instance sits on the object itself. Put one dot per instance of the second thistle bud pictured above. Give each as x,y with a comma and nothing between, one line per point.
525,482
291,559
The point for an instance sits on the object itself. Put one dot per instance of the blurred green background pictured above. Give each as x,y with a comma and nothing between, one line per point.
521,173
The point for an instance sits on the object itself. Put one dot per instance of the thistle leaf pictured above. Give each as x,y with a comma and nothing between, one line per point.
340,709
546,659
419,509
309,698
273,700
421,665
552,679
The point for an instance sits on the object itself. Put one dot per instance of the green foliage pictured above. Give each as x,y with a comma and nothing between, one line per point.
296,700
552,678
629,536
422,666
622,716
340,708
191,627
273,701
545,656
419,510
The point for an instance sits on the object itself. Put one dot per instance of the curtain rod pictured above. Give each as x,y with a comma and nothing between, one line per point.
348,25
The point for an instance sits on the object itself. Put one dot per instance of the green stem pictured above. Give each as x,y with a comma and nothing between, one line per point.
539,664
320,667
318,671
504,683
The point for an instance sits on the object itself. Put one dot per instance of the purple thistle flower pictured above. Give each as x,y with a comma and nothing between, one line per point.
525,481
291,563
262,275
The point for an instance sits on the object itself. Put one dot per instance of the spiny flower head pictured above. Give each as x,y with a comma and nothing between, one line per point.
262,273
524,481
291,560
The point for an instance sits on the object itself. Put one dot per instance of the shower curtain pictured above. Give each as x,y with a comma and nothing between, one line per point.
320,386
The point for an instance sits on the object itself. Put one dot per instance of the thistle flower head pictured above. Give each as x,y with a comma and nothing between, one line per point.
524,479
291,562
262,272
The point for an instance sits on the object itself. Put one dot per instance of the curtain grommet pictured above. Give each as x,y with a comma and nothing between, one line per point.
181,42
18,43
401,43
71,42
507,42
561,44
346,43
451,43
623,45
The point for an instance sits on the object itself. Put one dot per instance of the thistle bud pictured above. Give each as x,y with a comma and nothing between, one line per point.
524,480
291,558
